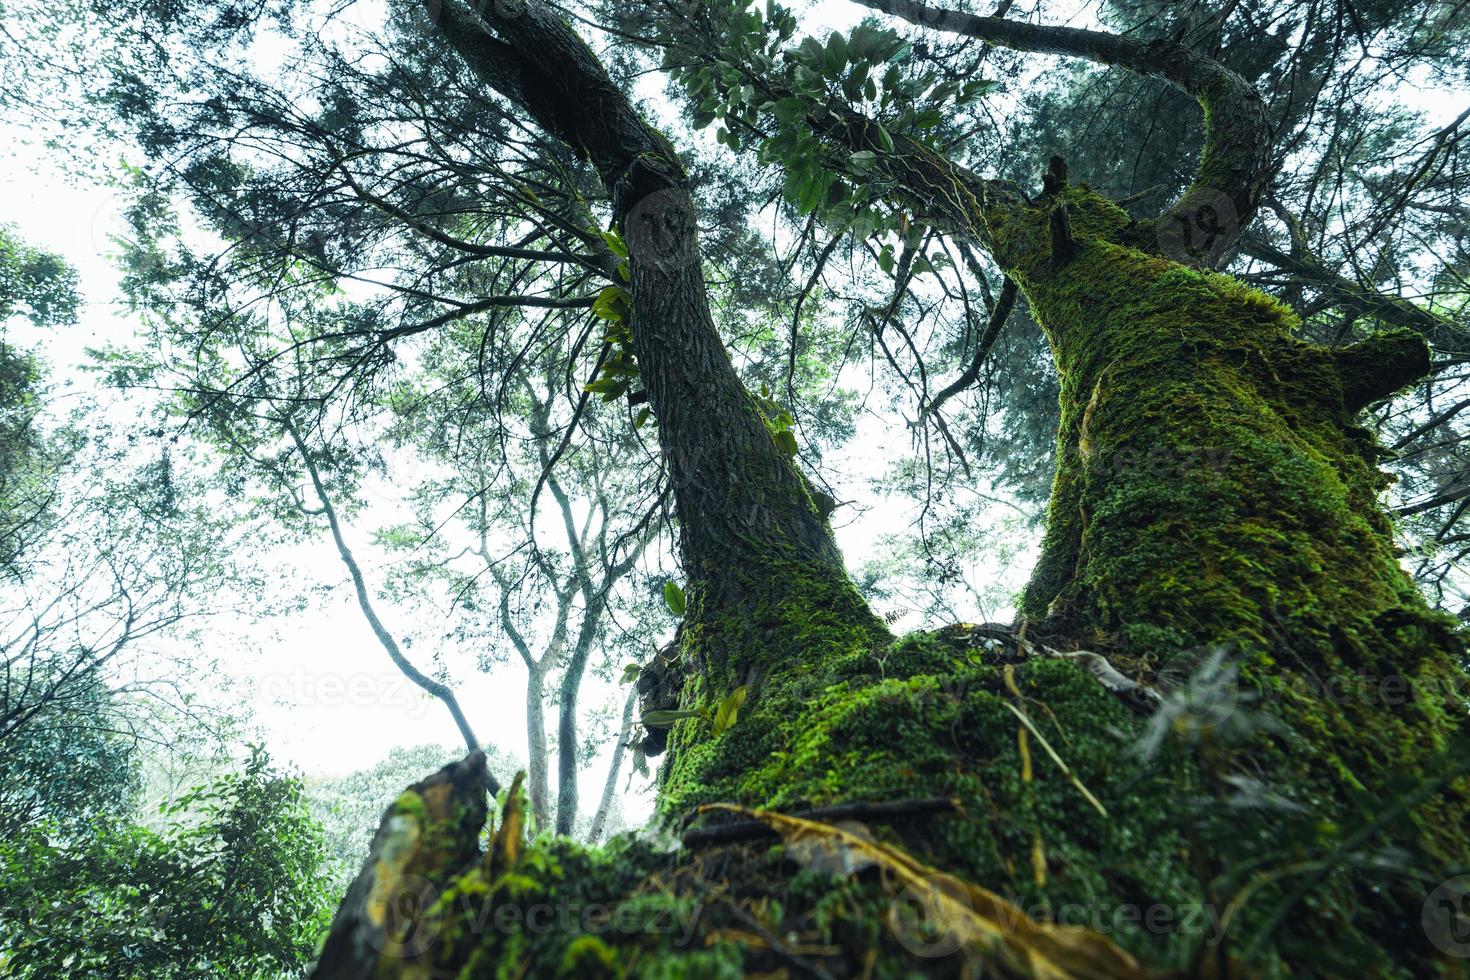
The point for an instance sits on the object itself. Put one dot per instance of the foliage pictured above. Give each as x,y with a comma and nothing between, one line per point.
35,284
404,244
41,288
232,886
72,765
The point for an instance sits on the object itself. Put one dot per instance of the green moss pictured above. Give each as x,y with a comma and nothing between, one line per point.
410,804
1215,494
588,956
1216,507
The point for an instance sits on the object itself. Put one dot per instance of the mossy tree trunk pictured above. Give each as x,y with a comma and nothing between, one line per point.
1215,505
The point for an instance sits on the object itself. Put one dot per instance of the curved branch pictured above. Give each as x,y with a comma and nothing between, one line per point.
359,584
998,317
1235,162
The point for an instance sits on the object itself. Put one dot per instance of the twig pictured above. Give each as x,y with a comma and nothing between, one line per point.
884,811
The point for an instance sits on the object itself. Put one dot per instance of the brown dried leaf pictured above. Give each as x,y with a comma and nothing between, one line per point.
977,919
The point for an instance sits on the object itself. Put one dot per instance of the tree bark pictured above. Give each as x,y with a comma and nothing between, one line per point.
1084,770
537,753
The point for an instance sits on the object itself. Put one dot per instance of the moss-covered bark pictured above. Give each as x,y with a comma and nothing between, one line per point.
1213,492
1216,508
1290,828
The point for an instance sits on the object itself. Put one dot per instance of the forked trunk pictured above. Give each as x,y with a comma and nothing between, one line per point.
1223,737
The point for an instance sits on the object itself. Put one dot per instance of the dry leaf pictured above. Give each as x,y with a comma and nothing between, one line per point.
974,918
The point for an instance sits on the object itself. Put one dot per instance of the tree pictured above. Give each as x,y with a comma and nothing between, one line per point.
311,469
39,287
1090,748
233,887
99,557
558,602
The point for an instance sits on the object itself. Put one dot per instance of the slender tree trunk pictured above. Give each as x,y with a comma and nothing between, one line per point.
537,752
568,749
614,768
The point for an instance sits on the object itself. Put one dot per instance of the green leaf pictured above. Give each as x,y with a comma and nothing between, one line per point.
928,119
674,598
641,419
616,244
609,388
884,139
811,195
729,708
612,303
863,159
790,109
885,259
786,442
835,58
630,674
975,88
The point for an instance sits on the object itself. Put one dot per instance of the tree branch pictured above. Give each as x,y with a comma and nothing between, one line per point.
1236,159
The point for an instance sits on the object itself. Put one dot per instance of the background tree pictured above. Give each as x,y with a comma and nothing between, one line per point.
234,886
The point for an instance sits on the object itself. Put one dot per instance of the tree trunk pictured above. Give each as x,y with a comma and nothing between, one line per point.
614,769
537,754
568,751
1245,822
